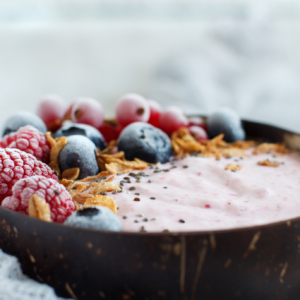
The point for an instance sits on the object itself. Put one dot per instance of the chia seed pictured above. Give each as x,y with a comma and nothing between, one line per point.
136,221
145,220
124,217
138,181
150,181
165,187
136,199
56,192
132,188
181,221
114,192
119,174
185,167
103,193
137,194
152,198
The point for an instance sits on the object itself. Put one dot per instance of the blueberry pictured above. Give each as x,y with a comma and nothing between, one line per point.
226,121
146,142
20,119
96,218
82,129
80,153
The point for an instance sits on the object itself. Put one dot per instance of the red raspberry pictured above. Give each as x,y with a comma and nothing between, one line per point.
54,193
30,140
16,164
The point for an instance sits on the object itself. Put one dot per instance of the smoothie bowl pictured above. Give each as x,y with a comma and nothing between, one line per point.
239,240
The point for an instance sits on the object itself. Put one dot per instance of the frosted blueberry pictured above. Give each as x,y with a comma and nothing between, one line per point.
21,119
100,218
80,153
146,142
82,129
226,121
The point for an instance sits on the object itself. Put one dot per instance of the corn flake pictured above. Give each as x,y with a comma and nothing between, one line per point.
70,174
268,163
39,208
233,167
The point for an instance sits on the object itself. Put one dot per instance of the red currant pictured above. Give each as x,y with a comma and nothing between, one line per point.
155,111
109,131
51,109
198,121
172,119
87,111
132,108
199,133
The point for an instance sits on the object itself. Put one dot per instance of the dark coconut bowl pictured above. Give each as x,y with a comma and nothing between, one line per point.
260,262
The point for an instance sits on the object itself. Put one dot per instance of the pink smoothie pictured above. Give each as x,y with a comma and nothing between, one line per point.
200,195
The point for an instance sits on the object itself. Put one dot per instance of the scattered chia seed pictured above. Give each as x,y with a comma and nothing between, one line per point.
181,221
119,191
141,174
136,199
228,157
122,181
140,215
152,198
119,174
121,184
150,181
166,170
153,219
114,192
132,188
128,181
126,178
165,187
132,174
56,192
138,181
136,221
124,217
173,167
145,220
137,194
156,171
185,167
103,193
74,188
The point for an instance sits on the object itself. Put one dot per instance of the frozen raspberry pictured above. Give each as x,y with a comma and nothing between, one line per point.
87,111
132,108
54,193
15,165
155,111
51,110
172,119
30,140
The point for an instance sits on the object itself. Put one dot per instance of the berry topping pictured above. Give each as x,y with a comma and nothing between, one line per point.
16,164
51,110
88,131
55,194
198,132
172,119
155,111
197,121
226,121
132,108
80,153
101,218
109,131
146,142
30,140
21,119
87,111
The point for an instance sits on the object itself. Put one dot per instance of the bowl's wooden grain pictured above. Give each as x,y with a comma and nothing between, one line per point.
261,262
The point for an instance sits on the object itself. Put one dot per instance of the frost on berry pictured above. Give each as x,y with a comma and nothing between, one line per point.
15,165
30,140
55,194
